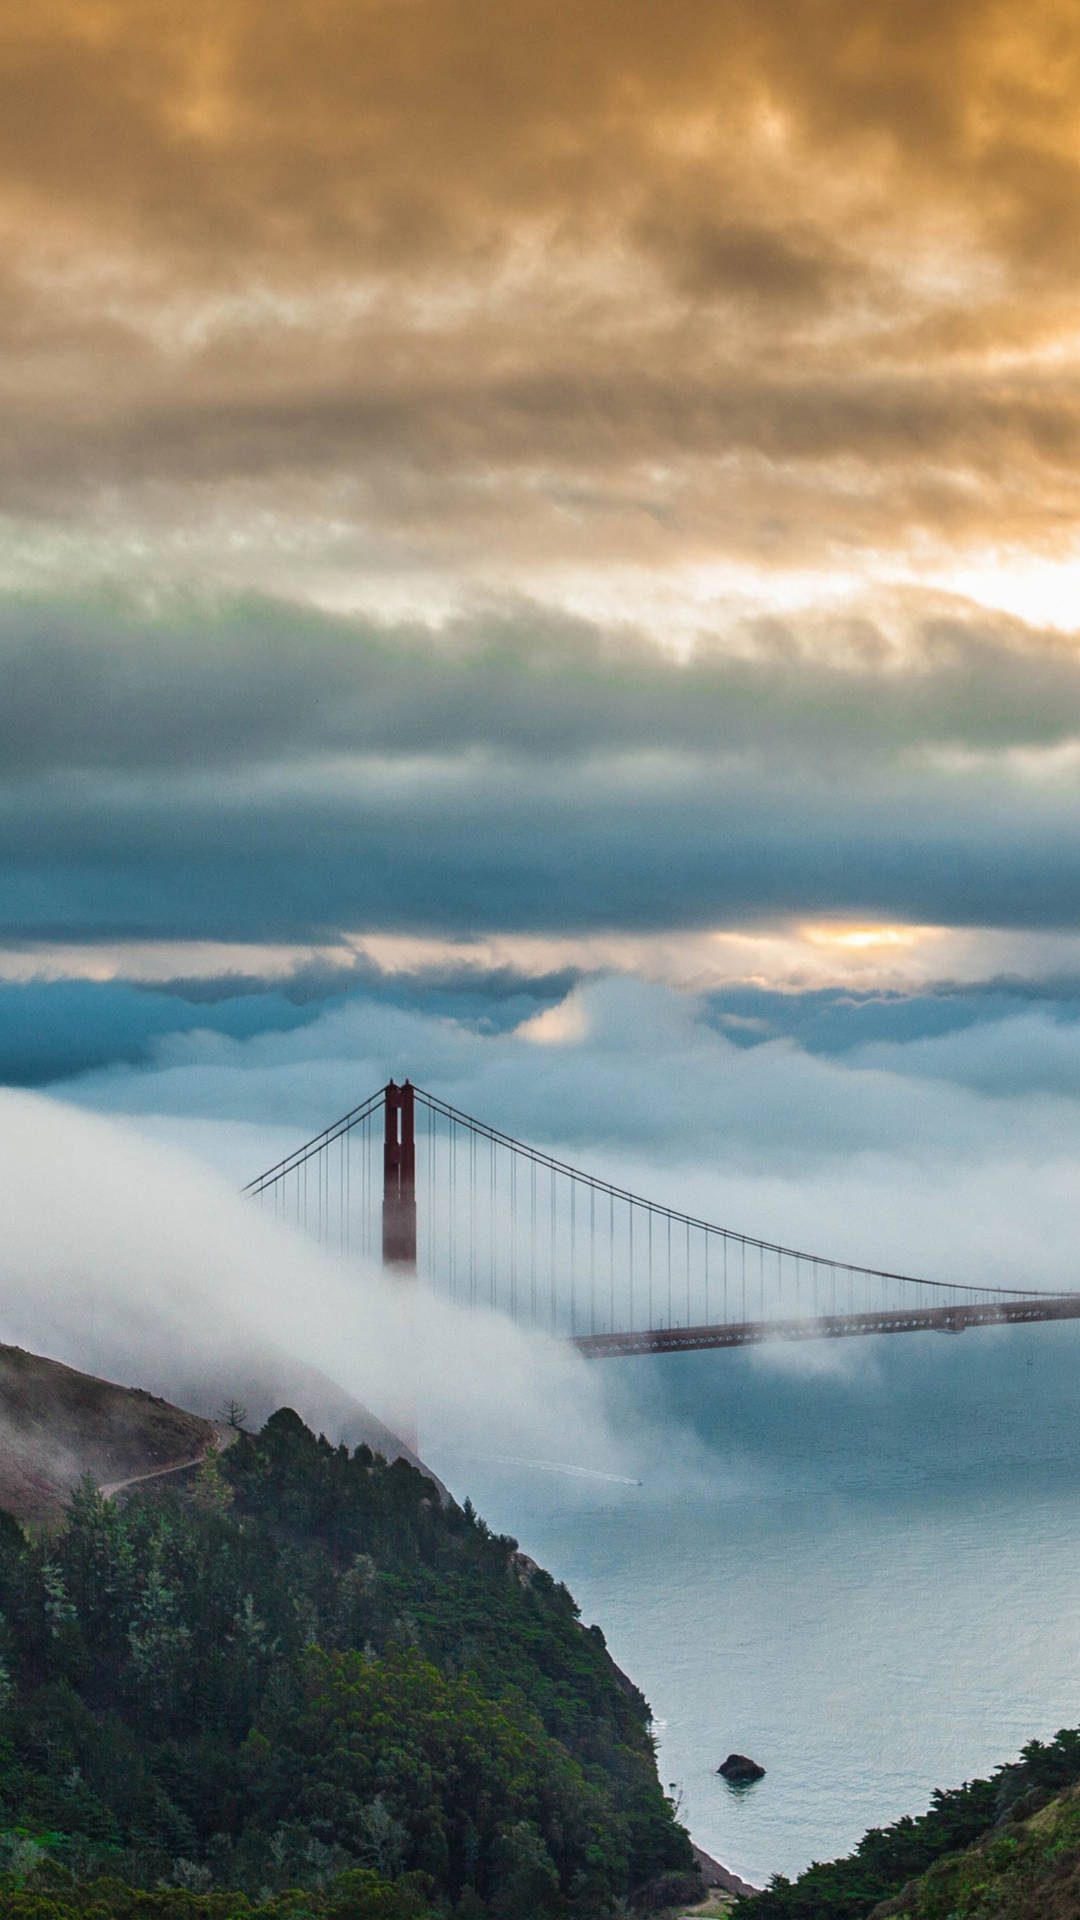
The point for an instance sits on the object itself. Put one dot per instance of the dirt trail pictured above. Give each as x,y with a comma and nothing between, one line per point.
223,1437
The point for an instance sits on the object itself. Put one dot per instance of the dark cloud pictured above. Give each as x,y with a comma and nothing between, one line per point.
406,130
740,260
252,771
51,1030
237,684
492,997
413,453
551,849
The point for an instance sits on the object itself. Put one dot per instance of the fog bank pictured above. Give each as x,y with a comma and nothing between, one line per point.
129,1259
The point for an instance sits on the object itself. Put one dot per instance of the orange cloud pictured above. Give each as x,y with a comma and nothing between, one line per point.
506,294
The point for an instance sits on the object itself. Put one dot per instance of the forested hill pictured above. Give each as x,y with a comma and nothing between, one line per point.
304,1685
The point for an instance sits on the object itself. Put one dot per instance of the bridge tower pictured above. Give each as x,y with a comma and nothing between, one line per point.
399,1222
399,1179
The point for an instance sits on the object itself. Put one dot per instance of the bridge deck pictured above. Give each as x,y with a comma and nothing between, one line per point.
746,1333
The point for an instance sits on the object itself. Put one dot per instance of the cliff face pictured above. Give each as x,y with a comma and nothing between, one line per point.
1024,1871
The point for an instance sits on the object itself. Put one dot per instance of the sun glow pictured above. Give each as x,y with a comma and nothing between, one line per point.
1041,592
785,956
861,938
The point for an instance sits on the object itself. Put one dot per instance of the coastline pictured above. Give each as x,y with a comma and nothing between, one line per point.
717,1877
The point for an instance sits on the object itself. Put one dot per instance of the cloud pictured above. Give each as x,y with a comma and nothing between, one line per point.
1026,1052
873,1154
335,133
151,1270
408,289
740,261
528,345
441,850
630,1067
52,1029
249,771
959,1165
202,682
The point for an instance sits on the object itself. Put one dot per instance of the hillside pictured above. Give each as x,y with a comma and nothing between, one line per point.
265,1378
57,1424
1027,1870
300,1680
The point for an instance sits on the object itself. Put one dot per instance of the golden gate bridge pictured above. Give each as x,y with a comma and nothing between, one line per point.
491,1222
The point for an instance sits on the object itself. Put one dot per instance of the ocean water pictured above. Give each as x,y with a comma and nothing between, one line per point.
860,1567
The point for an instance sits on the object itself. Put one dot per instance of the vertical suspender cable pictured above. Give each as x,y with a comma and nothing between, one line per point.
611,1262
631,1262
573,1256
532,1241
472,1218
592,1259
551,1249
492,1210
513,1235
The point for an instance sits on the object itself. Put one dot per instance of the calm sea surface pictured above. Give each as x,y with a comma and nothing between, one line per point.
868,1582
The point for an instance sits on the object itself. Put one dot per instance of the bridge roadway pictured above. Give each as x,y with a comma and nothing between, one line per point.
833,1326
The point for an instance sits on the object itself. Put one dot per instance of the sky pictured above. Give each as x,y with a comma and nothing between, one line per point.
540,549
579,474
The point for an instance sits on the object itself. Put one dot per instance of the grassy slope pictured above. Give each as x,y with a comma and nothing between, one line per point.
1027,1871
57,1424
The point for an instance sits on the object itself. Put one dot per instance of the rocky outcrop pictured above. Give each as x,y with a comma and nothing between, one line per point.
738,1770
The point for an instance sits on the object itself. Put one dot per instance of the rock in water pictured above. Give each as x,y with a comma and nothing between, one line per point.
738,1769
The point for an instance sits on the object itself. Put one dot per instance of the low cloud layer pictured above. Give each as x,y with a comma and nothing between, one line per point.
236,771
944,1147
936,1134
206,684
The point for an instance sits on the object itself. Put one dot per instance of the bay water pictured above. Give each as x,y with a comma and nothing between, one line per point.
857,1562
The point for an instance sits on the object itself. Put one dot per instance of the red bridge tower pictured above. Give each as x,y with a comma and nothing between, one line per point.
399,1180
399,1220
